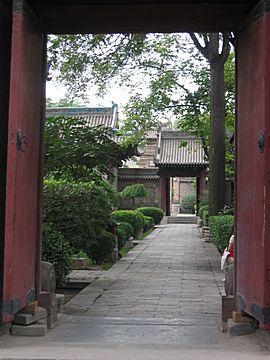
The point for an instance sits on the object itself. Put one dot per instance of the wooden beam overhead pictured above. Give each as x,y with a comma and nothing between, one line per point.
109,16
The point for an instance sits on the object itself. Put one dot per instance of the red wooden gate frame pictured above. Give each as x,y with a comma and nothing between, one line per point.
253,169
24,173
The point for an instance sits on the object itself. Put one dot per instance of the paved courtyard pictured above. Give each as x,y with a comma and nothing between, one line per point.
161,301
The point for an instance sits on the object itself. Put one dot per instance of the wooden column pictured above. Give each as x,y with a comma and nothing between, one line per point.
253,168
24,163
168,198
198,194
5,54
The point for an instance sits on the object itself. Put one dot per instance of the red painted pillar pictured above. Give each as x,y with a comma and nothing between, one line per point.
24,163
5,53
253,169
163,191
168,198
202,185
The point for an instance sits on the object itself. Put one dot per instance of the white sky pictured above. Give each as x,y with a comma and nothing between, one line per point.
118,95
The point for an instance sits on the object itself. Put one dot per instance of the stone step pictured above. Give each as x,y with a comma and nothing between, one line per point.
38,328
182,220
27,319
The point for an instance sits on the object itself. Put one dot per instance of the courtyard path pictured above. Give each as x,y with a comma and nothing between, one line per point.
161,301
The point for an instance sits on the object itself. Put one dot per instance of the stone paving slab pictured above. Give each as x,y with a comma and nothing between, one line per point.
165,293
171,273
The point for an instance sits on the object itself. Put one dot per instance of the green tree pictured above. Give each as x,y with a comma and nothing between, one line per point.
75,151
133,191
178,80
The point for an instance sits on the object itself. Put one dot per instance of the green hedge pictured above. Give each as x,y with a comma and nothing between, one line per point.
122,237
133,217
80,211
154,212
100,250
202,209
127,228
204,215
56,250
148,223
220,228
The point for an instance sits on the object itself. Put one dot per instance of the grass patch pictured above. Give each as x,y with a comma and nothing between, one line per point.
106,266
89,264
124,250
143,235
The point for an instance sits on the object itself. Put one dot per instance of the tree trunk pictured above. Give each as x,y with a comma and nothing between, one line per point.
217,139
217,115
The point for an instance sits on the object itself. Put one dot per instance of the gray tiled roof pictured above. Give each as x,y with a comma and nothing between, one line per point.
138,174
94,116
178,149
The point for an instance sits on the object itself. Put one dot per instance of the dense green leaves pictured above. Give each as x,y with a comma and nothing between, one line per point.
127,228
153,212
134,218
188,203
165,75
134,191
101,248
76,151
56,250
220,228
80,211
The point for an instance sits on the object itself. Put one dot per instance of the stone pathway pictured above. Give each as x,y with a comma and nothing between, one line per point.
169,276
165,294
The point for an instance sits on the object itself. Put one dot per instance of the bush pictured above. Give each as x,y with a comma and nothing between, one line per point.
205,217
188,203
220,228
80,211
127,228
202,209
100,250
148,223
56,250
133,217
154,212
122,237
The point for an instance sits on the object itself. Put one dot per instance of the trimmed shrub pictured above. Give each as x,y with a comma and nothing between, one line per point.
202,209
220,228
80,211
100,250
127,228
148,223
188,203
154,212
56,250
205,217
122,237
133,217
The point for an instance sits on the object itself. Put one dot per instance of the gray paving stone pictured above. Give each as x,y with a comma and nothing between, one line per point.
36,329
